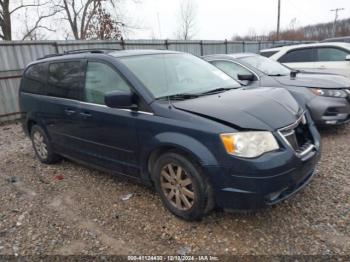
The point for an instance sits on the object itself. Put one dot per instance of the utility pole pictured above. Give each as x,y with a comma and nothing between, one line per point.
335,19
278,20
159,28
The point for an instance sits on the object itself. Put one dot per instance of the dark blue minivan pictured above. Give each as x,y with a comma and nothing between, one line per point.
170,120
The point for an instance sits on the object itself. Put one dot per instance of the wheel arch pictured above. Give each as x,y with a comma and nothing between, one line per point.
183,144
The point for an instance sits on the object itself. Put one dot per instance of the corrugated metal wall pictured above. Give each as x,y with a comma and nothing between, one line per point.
15,55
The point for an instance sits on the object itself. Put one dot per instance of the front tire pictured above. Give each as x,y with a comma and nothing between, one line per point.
184,190
42,146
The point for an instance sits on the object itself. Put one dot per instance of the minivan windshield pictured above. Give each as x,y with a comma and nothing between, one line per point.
266,65
178,74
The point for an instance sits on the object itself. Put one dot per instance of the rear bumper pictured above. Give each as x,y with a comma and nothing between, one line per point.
329,110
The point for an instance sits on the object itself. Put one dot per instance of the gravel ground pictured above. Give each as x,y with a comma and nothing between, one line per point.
70,209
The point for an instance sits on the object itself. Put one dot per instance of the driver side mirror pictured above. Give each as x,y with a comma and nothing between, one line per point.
347,58
121,99
247,77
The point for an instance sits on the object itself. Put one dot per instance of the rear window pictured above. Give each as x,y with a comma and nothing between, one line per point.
331,54
65,80
34,79
299,56
268,53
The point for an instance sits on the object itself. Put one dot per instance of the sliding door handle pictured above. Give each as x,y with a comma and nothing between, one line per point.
85,114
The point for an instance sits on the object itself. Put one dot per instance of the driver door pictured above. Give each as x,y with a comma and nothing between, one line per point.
110,134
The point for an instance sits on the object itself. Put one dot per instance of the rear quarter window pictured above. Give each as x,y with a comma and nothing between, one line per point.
65,80
268,53
34,79
331,54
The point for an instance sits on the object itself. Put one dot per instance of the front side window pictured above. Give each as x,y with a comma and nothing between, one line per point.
65,79
266,65
331,54
173,74
101,79
299,56
34,79
230,68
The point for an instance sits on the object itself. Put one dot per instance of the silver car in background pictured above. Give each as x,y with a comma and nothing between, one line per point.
326,96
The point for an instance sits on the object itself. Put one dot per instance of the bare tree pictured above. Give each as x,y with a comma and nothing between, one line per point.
6,13
88,18
78,14
33,31
187,15
103,26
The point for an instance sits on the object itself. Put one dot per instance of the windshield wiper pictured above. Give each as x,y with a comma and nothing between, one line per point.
179,96
276,75
217,90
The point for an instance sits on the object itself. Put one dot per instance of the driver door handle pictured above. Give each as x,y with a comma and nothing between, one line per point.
69,112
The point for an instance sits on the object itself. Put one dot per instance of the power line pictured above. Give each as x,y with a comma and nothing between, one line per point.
335,19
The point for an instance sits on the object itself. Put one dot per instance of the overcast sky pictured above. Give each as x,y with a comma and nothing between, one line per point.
216,19
221,19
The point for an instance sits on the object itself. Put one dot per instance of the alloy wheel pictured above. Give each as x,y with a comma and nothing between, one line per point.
40,145
177,186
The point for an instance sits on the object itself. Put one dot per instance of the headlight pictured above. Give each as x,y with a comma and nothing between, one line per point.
249,144
329,92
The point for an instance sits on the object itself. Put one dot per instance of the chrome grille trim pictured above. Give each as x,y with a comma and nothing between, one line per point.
290,130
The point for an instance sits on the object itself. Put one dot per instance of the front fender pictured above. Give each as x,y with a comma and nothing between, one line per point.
179,141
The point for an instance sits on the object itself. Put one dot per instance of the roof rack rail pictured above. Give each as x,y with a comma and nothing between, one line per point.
80,51
48,56
91,50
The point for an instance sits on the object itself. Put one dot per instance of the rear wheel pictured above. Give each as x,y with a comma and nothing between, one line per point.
183,189
42,146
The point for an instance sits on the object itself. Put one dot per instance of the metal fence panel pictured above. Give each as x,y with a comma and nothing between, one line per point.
251,47
192,47
75,45
145,44
235,47
16,55
9,99
214,47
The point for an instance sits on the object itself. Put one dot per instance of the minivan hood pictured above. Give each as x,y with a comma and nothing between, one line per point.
257,109
315,80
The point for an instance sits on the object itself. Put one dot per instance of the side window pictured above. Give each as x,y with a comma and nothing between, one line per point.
101,79
65,80
299,56
331,54
34,79
230,68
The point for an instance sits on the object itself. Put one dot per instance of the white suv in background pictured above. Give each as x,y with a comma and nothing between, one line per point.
317,57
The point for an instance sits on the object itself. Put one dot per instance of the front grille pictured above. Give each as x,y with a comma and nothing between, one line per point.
298,136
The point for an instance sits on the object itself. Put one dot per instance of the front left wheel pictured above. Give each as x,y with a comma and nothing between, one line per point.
184,190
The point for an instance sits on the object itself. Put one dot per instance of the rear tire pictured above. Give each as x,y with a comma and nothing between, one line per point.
42,146
184,190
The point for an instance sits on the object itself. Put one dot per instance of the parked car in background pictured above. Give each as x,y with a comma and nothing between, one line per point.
174,121
345,39
326,96
317,57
